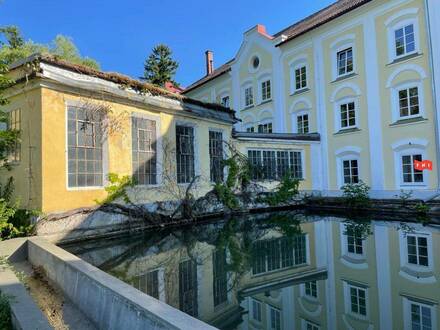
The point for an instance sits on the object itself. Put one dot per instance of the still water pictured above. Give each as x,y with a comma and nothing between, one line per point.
285,271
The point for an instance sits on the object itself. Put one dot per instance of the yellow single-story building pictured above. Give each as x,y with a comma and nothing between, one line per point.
77,125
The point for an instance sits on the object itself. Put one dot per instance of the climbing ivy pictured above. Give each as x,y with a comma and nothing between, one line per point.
117,188
287,189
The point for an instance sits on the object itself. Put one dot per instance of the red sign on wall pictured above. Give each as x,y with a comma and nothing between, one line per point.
423,165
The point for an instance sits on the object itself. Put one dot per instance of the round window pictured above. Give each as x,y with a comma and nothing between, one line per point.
255,62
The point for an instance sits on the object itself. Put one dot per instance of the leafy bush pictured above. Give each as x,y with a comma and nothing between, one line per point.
356,194
14,222
287,189
5,313
117,188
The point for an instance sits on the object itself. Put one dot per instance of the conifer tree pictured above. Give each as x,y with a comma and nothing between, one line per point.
160,67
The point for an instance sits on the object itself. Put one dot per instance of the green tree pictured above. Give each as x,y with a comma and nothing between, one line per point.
159,67
14,47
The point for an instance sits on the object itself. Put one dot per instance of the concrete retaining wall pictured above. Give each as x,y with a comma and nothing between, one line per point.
105,300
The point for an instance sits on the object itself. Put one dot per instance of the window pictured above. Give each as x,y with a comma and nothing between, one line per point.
354,241
256,310
266,91
348,115
417,247
351,171
409,102
185,154
265,128
409,173
345,61
358,300
14,123
302,122
188,287
248,97
144,151
216,156
220,280
225,101
275,318
311,289
404,40
279,253
421,317
274,165
84,149
307,325
255,62
300,78
148,283
250,129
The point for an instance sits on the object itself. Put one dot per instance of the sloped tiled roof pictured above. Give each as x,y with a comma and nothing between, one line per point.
216,73
307,24
319,18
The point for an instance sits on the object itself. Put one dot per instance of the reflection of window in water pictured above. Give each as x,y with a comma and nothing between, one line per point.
188,287
354,241
256,310
148,283
278,254
220,280
311,289
417,250
275,318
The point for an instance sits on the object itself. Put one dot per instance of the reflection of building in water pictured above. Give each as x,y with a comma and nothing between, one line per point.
333,275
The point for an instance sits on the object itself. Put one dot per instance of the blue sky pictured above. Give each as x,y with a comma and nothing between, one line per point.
120,34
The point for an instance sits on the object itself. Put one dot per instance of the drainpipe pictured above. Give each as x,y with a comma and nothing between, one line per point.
434,94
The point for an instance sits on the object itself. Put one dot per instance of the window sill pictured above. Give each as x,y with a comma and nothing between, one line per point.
248,107
405,58
403,122
347,131
265,101
85,188
300,91
345,77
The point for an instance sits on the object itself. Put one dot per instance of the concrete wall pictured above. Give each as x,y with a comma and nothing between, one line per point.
107,301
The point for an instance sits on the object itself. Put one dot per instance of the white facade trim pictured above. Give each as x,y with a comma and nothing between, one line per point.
337,113
377,176
397,16
407,67
408,143
394,97
356,91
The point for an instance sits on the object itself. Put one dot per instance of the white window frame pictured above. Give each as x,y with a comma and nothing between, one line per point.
344,245
295,116
304,324
269,316
262,80
222,96
399,171
403,244
265,122
340,166
338,46
251,310
302,64
243,92
305,295
347,300
397,24
407,302
338,117
395,100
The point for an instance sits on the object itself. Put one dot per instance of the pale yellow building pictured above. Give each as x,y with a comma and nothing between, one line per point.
363,74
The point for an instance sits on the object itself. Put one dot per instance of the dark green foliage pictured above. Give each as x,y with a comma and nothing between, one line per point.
5,313
287,189
360,228
356,195
14,222
117,188
238,177
13,36
159,67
